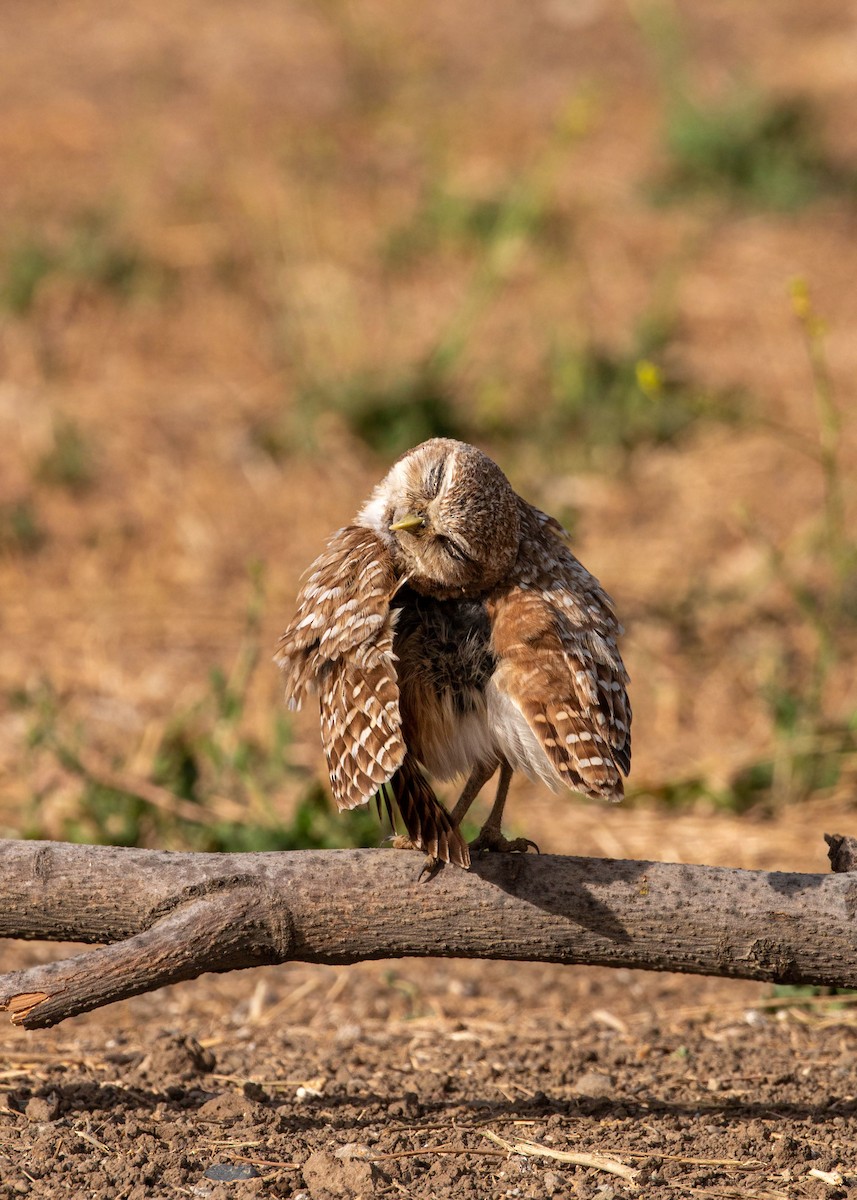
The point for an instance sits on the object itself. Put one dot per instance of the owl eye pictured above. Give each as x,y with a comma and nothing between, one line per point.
454,549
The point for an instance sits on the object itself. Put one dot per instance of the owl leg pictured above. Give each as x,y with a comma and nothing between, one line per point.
476,781
491,835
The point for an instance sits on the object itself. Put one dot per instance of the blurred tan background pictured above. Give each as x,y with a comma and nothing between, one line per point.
251,252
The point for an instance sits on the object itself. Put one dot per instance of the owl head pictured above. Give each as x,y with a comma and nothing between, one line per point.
450,517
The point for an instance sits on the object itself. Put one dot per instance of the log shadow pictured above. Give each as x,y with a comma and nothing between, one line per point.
564,886
486,1111
89,1097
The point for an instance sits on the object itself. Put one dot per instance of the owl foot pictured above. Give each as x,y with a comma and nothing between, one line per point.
431,866
400,842
494,841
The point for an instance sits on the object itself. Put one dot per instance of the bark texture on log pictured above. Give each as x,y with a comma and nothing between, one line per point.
161,917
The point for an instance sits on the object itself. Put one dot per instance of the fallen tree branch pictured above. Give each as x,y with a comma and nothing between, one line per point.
160,917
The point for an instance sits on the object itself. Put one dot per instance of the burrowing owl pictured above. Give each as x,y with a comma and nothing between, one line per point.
450,627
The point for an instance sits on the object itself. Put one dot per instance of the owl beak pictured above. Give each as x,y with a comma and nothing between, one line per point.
409,522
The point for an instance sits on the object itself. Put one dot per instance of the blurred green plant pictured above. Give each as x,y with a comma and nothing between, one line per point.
622,400
598,398
756,149
21,531
811,746
816,572
369,60
24,267
391,414
97,253
316,825
674,793
90,253
447,218
809,997
809,755
210,783
70,462
391,409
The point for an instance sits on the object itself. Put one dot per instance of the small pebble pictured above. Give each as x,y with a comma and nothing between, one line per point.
593,1085
43,1108
231,1172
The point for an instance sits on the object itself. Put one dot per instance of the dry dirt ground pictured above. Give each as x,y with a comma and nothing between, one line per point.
202,262
395,1078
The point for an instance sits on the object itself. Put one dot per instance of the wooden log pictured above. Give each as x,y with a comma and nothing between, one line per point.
161,917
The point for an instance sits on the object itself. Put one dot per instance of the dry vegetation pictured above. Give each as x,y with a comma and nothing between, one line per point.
247,254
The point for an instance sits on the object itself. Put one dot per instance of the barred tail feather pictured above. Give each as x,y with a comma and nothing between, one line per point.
427,822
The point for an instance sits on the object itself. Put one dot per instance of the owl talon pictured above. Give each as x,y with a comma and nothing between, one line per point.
431,866
492,840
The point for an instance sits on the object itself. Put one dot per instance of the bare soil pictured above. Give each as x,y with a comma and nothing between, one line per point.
391,1078
390,1081
256,159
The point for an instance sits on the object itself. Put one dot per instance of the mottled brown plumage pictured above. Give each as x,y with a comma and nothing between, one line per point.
451,628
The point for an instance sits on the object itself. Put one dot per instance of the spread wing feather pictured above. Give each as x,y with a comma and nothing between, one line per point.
554,633
340,644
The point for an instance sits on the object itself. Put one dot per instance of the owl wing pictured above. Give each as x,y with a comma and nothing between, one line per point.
554,634
340,644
